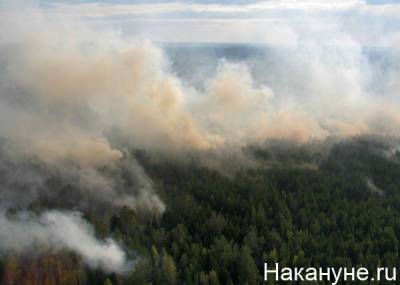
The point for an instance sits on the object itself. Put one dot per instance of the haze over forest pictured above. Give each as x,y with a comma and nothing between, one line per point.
190,142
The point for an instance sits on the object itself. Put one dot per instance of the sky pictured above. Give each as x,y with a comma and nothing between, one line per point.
278,22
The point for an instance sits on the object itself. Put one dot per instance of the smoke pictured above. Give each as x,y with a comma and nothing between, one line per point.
373,188
54,231
79,94
76,98
60,96
28,182
88,83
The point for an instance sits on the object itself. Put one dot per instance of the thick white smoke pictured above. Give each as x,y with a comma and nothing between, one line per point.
55,231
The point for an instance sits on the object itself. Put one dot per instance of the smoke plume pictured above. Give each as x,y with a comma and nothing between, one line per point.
55,231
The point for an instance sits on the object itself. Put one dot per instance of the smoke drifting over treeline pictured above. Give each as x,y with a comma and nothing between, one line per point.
55,231
75,100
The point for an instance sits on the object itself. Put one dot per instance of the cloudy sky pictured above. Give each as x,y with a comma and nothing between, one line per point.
281,22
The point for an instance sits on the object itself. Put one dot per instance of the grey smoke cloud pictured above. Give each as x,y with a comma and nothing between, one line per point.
25,181
54,231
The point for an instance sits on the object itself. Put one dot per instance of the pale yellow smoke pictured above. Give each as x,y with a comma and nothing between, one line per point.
84,85
82,151
125,88
129,88
242,113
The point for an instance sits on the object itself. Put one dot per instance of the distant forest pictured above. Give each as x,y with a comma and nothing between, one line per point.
336,207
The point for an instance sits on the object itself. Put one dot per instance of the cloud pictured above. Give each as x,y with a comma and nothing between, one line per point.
111,9
274,22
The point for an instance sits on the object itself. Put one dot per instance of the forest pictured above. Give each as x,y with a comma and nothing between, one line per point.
334,205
